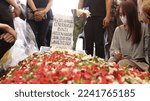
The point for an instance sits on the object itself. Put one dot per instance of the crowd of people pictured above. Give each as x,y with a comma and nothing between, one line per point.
126,23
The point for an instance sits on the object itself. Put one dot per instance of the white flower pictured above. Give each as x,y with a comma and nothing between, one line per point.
111,77
61,63
111,63
38,64
64,69
100,78
46,69
83,11
70,82
111,70
20,77
69,64
75,70
115,82
55,63
87,57
31,73
53,70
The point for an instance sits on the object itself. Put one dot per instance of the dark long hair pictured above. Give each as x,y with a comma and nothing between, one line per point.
134,26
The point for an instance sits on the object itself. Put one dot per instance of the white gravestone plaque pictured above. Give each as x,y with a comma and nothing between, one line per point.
62,32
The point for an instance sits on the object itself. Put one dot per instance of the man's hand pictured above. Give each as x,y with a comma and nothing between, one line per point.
106,22
39,15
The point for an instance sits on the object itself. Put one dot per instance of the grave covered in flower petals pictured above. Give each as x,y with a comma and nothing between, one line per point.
69,67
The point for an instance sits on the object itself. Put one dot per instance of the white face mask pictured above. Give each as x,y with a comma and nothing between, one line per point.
123,19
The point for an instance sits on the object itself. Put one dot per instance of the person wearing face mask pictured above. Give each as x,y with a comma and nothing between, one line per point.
128,47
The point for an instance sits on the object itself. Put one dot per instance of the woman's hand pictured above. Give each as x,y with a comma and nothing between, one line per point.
10,30
117,55
8,37
17,11
144,18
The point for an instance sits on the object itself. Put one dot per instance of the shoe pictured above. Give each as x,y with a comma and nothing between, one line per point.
2,72
81,36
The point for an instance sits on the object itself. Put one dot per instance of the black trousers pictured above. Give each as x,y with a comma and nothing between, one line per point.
40,29
94,33
7,19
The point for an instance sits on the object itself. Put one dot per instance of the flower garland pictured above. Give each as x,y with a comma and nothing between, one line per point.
69,67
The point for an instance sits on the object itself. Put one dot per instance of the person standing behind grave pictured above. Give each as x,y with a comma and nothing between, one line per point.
38,16
94,29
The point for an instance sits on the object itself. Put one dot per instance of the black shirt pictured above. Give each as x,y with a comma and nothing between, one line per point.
97,7
40,3
86,3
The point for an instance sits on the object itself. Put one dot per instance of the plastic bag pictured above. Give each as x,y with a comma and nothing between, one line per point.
24,46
